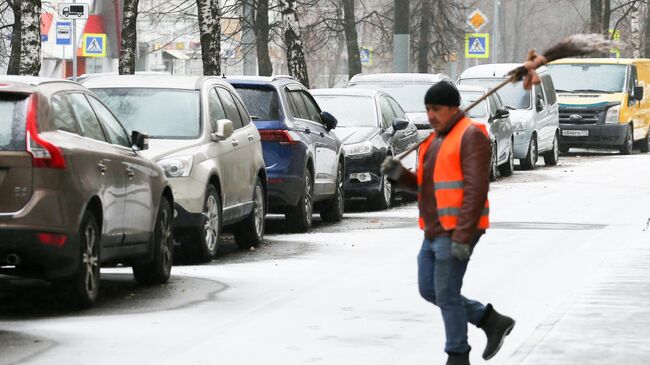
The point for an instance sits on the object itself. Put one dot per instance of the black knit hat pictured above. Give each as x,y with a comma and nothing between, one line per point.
442,93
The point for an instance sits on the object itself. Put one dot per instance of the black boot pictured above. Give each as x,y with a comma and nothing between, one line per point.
458,359
496,327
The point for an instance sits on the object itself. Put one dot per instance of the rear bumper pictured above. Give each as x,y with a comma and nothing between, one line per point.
600,135
283,190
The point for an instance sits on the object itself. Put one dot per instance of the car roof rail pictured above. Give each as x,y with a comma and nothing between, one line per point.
279,77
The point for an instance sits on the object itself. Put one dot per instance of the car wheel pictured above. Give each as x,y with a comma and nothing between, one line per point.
82,289
382,200
202,243
508,168
628,144
494,174
159,269
299,217
552,157
250,232
332,209
531,158
644,145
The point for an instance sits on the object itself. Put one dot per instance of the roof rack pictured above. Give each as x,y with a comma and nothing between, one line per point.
279,77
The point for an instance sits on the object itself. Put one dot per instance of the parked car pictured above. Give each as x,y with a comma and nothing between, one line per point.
534,115
408,89
202,136
372,125
496,117
602,103
303,156
77,192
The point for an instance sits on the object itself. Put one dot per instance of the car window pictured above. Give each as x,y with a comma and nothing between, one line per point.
386,112
493,105
12,121
230,108
243,113
299,110
539,94
88,122
397,109
549,89
312,110
260,102
114,130
215,109
63,116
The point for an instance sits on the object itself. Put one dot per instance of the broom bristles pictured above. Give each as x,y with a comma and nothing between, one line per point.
576,45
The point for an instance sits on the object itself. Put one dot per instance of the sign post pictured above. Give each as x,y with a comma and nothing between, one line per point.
73,11
477,45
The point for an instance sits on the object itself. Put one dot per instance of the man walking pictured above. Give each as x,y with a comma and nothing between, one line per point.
452,182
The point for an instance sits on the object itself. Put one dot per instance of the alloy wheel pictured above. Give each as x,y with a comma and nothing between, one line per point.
307,201
259,210
90,260
388,190
166,239
211,225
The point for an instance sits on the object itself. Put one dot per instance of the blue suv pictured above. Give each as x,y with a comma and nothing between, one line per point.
303,157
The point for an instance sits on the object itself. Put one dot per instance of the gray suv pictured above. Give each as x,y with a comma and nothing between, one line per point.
76,192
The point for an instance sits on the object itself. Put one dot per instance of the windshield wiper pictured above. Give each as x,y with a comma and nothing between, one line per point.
510,108
591,91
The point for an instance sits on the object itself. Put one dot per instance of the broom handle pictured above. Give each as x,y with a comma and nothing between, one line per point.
459,115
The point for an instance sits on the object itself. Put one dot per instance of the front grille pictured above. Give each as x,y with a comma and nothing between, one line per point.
580,116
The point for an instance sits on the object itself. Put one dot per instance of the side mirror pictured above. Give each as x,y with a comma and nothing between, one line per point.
140,140
539,104
502,113
224,130
399,124
329,120
638,93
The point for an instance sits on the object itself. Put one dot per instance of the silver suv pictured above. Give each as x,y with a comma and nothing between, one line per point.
202,135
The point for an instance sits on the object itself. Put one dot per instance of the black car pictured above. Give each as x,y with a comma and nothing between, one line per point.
372,125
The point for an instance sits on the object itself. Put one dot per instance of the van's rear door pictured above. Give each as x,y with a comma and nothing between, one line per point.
15,161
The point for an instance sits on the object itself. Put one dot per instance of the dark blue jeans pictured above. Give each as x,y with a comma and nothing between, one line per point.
440,279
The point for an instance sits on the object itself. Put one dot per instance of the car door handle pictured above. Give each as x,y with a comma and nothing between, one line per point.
129,172
102,168
251,138
235,142
307,130
322,134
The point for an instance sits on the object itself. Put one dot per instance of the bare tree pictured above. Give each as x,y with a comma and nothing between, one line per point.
13,68
30,39
292,38
351,40
262,39
210,31
129,37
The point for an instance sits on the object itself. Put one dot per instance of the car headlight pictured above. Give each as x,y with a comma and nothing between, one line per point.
358,149
613,115
177,166
519,126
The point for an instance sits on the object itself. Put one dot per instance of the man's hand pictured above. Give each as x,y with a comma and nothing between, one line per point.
461,251
392,168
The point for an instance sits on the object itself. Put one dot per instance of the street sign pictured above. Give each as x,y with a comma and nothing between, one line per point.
477,45
71,11
44,38
615,35
365,54
63,33
94,45
477,20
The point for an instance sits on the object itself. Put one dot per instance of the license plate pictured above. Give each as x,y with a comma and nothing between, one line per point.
575,133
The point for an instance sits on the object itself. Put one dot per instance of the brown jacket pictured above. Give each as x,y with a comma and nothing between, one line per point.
475,159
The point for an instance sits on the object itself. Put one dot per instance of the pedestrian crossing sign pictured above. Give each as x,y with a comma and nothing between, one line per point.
365,55
94,45
477,45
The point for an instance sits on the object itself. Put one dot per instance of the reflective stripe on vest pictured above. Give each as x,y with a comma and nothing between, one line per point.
448,177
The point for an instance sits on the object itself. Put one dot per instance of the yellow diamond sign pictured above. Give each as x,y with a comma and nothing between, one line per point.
477,20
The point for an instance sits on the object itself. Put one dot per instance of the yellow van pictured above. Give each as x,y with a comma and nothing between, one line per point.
602,103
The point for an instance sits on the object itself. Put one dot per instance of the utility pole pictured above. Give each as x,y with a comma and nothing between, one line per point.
74,48
401,37
248,39
495,32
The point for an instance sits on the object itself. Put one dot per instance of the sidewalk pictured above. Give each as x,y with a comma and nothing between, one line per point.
608,322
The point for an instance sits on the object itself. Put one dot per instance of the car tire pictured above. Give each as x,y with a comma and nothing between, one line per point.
384,198
250,232
81,290
332,210
552,157
644,145
508,168
202,243
299,216
494,164
158,270
628,144
530,161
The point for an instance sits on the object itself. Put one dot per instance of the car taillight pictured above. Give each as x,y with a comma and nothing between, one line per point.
50,239
44,153
280,136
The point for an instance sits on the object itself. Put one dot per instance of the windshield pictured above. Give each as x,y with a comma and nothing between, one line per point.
12,123
588,78
161,113
350,111
409,95
262,104
480,111
513,95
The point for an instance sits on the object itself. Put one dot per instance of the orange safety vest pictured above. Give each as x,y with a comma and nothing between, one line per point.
448,177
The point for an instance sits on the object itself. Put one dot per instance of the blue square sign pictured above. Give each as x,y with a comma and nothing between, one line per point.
94,45
63,33
477,45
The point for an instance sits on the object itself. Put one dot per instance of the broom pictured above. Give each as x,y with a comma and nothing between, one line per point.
573,46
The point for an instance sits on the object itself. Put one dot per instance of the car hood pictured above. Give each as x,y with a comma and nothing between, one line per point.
589,99
350,135
162,148
518,115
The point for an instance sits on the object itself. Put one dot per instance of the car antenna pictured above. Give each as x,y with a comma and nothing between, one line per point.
223,75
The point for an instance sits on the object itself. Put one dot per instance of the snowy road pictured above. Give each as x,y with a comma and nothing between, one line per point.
567,257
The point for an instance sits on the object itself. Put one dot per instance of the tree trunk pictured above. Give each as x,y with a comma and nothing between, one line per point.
262,28
635,31
129,37
13,68
596,20
292,38
607,15
30,40
646,51
210,31
425,41
351,40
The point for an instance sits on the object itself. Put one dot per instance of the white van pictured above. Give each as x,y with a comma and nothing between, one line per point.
535,115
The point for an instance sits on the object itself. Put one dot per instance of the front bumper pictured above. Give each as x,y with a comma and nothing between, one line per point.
188,193
522,143
599,135
368,166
